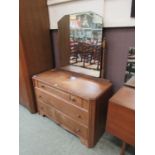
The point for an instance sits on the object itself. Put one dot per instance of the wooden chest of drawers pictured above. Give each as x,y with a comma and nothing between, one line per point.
76,102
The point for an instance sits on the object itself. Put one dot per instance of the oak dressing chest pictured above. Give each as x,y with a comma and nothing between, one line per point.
76,102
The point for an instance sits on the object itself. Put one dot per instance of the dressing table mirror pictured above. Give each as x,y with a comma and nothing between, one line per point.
81,43
130,69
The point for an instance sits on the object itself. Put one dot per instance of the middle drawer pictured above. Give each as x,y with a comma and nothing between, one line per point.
77,114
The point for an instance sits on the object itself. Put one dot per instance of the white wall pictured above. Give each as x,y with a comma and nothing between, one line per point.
116,13
56,12
53,2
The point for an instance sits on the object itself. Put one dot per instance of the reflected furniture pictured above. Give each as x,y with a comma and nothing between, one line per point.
76,102
35,52
121,116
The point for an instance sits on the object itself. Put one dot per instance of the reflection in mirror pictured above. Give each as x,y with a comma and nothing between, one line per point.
85,41
130,68
80,43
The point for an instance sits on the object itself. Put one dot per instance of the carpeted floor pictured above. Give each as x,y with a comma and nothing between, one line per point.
41,136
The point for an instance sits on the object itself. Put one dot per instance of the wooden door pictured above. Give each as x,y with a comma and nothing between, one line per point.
25,90
35,47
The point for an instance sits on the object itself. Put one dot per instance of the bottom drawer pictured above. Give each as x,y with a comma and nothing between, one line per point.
63,120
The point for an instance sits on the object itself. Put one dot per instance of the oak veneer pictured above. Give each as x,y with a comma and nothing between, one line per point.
76,102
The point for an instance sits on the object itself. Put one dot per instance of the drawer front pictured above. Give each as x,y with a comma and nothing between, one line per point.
77,114
63,120
45,109
73,99
54,91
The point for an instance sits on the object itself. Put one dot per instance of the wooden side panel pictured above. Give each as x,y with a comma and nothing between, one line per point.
63,37
121,122
101,114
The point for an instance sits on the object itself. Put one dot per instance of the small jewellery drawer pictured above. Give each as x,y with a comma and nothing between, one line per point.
63,120
79,102
62,105
54,91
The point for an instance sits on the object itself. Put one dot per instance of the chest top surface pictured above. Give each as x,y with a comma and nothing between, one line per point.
125,97
84,86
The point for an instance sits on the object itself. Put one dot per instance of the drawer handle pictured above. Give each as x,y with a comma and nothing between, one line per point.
79,116
42,86
77,130
73,99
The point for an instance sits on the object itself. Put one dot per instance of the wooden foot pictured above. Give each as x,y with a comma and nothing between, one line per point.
123,149
41,113
86,143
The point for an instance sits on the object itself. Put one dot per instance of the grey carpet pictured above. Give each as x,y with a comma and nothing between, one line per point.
41,136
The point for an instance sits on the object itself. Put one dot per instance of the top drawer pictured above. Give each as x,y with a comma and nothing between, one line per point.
53,91
75,100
